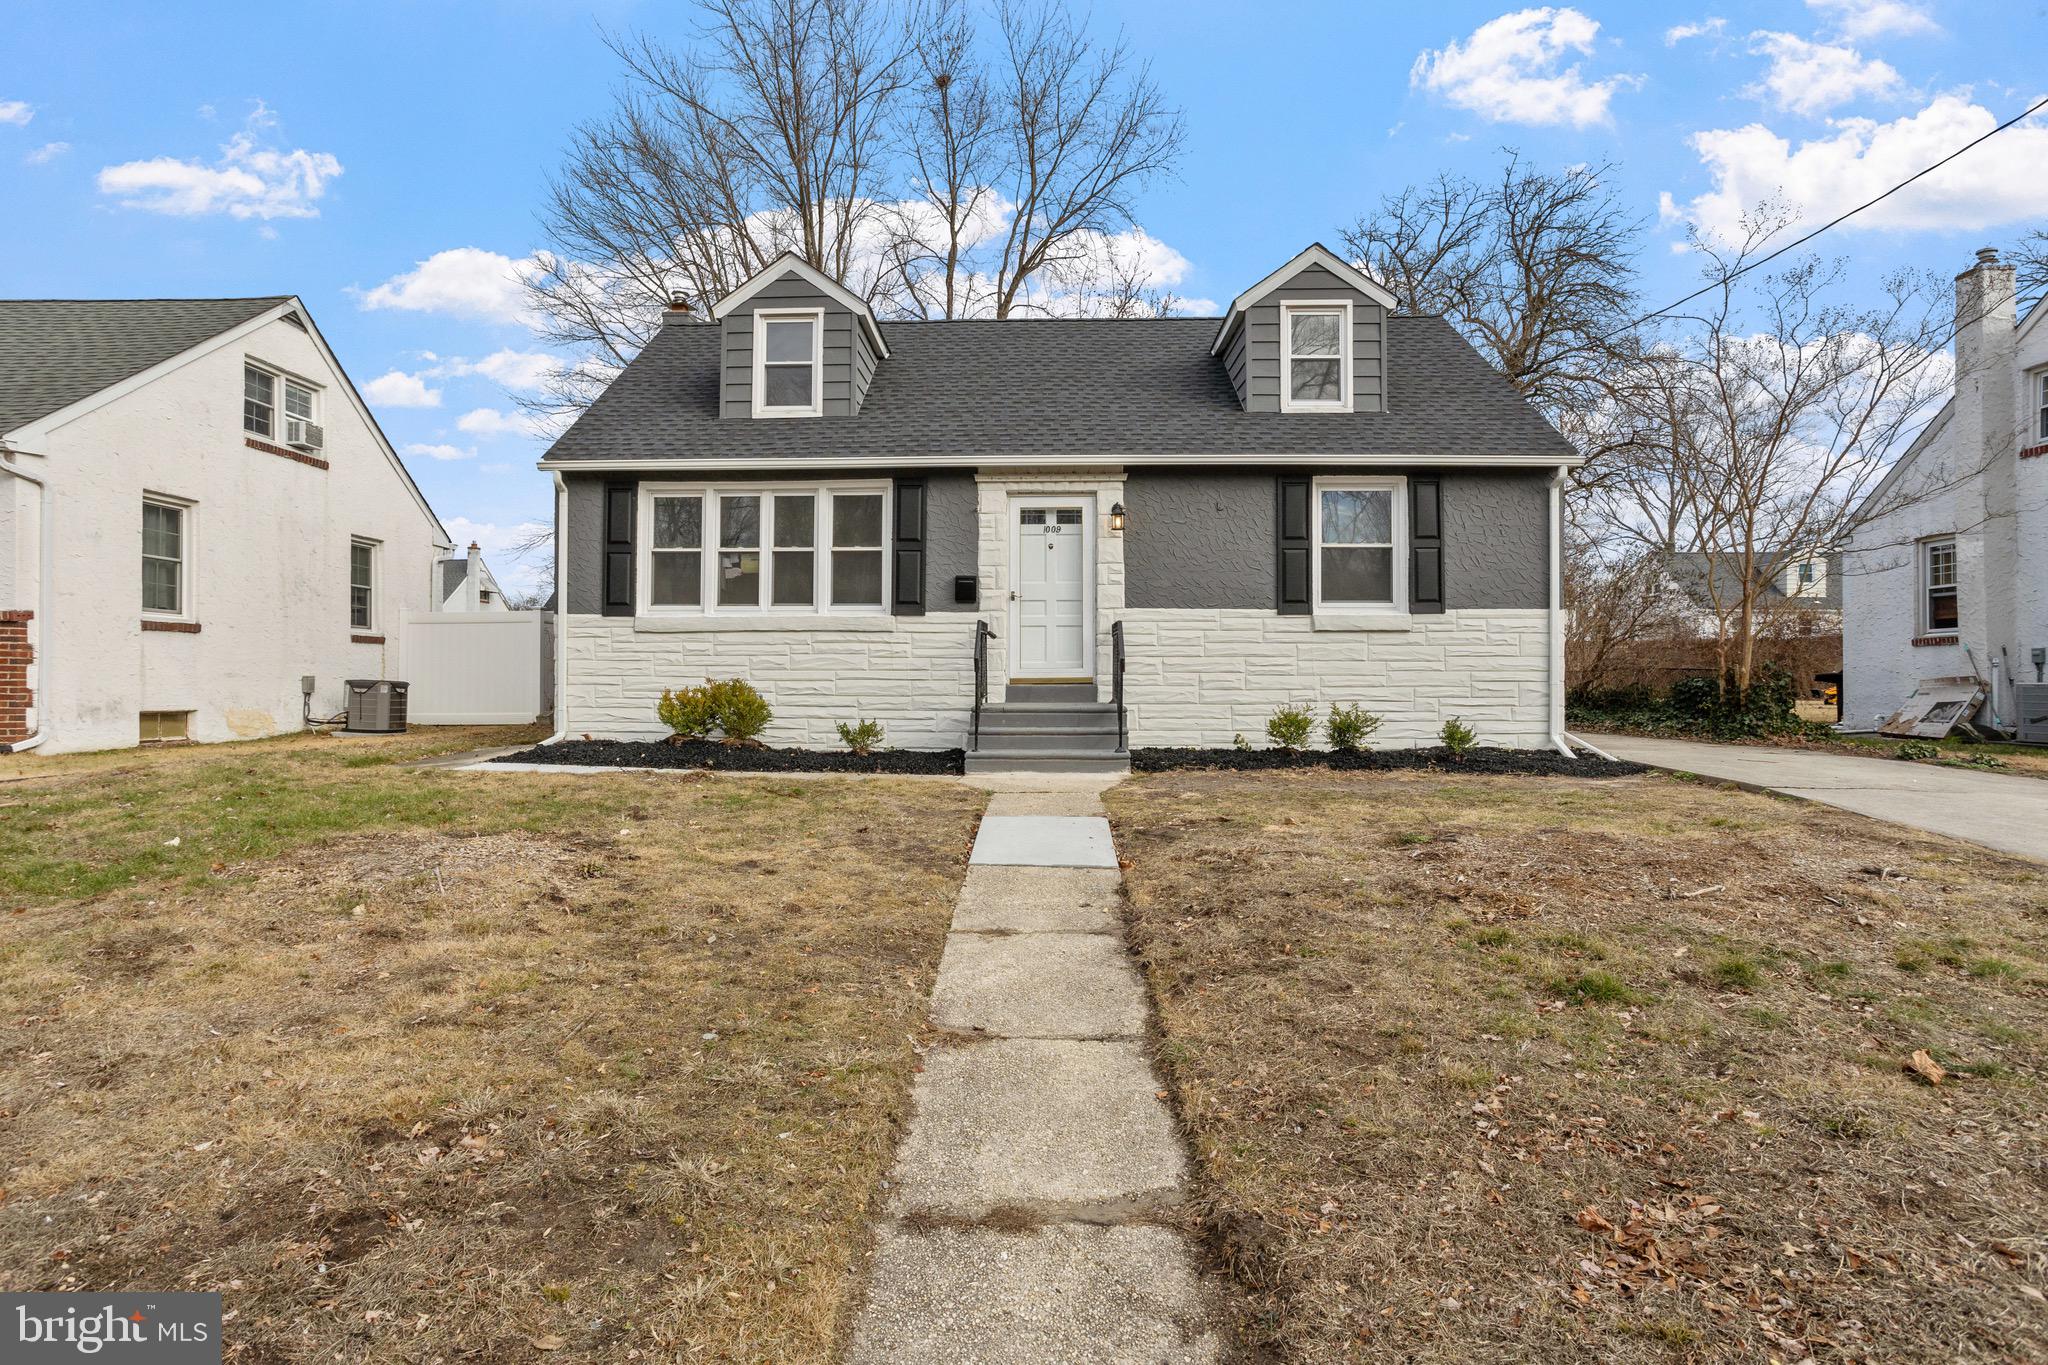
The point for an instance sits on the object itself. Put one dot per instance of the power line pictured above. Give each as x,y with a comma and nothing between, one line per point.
1837,221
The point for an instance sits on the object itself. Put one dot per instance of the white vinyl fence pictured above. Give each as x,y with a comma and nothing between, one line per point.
478,667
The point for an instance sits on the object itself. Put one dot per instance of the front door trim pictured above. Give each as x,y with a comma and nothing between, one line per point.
1086,502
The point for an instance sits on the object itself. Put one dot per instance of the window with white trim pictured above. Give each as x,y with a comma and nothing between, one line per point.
780,548
1315,357
1361,561
362,584
788,363
261,399
2041,405
165,549
1938,606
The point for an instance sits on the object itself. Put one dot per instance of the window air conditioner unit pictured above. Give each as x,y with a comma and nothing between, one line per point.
303,435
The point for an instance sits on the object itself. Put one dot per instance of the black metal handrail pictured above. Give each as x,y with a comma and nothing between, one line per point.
1116,663
982,635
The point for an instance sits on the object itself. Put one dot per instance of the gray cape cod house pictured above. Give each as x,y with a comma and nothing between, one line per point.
1310,500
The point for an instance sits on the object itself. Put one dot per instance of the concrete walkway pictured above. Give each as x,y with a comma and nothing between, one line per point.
1996,810
1022,1212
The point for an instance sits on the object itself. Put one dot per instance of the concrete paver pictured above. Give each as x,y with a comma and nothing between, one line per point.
1039,986
1074,900
1044,841
1070,1293
1036,1123
1996,810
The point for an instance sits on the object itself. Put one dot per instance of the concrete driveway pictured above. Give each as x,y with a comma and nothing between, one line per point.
2007,813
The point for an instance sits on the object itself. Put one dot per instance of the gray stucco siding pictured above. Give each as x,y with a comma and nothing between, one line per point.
838,382
1205,538
1261,339
952,533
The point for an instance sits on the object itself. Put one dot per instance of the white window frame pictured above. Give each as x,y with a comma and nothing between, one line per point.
184,507
282,380
1924,574
2041,405
375,548
1403,549
1345,378
816,317
821,549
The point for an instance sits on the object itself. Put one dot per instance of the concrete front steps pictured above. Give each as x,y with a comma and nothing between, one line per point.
1049,728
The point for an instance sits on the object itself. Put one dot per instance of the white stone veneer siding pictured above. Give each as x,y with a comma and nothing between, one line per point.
913,674
1197,678
1194,677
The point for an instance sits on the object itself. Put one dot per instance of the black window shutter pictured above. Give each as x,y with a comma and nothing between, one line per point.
619,515
1426,530
909,566
1294,547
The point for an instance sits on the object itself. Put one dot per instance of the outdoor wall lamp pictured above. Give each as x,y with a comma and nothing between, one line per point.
1116,516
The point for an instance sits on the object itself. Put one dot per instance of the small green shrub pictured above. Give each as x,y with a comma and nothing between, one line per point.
1917,750
1290,728
687,711
1239,742
740,712
1458,737
861,739
1349,727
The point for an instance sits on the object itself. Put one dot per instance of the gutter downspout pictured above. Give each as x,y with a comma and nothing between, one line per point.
46,595
561,612
1556,670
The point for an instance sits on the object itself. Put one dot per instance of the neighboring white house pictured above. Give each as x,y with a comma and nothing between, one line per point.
465,583
1948,577
196,510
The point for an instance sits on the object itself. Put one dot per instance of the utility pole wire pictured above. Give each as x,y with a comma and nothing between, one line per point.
1748,266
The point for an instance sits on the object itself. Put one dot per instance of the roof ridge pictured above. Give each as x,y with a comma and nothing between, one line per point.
169,298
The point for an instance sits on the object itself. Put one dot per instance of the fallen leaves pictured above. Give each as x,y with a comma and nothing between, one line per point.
1923,1065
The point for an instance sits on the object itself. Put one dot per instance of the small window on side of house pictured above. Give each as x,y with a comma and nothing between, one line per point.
1315,358
787,360
164,727
362,584
164,550
259,402
1938,612
1360,564
2041,405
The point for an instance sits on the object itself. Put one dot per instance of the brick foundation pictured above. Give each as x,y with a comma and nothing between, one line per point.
15,657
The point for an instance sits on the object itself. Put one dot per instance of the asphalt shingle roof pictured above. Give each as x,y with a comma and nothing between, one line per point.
1060,388
54,352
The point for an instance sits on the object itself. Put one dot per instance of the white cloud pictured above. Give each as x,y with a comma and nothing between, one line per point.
515,572
397,389
16,112
1806,78
1876,18
250,179
464,281
496,422
47,153
1988,186
1703,28
439,452
525,370
1508,71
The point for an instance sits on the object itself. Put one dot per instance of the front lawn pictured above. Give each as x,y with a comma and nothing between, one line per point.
1496,1068
419,1065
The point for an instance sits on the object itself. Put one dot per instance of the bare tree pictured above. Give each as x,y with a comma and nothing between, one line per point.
1535,268
1613,603
2030,267
1762,423
770,135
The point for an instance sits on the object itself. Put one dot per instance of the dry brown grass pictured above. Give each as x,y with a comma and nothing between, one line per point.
1515,1069
498,1068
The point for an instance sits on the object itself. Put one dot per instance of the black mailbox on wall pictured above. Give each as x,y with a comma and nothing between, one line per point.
963,589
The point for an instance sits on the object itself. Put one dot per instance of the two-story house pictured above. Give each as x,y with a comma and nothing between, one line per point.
1312,499
196,512
1947,573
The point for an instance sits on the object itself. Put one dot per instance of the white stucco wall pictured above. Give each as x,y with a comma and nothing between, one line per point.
268,563
1194,677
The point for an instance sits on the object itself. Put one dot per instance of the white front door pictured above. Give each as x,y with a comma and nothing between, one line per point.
1052,580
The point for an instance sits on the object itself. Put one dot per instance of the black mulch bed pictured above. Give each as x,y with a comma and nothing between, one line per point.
1514,762
734,758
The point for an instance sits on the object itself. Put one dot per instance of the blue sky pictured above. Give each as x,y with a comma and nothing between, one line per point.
328,150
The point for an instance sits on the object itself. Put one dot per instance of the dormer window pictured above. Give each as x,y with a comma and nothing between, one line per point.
788,356
1315,357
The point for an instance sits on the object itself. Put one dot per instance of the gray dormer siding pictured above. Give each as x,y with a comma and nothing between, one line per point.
1259,338
848,355
1234,361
